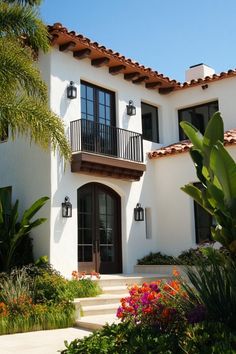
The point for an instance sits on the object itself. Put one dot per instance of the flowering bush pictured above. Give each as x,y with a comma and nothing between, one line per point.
164,305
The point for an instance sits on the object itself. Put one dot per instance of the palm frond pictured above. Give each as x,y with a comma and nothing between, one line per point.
17,20
24,2
20,74
30,117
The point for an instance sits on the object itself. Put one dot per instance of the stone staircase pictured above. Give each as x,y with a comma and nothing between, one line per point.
95,312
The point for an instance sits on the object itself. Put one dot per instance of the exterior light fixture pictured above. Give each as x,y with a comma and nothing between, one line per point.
131,109
66,208
204,87
138,213
72,91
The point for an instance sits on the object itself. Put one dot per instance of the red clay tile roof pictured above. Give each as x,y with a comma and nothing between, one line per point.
208,79
74,42
62,36
185,145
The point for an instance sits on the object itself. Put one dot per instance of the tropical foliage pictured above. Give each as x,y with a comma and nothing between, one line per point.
167,318
216,171
12,231
214,287
23,94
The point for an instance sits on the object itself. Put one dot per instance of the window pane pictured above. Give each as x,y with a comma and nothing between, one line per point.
108,99
96,104
90,95
101,111
90,107
101,97
83,105
108,113
150,122
83,91
198,116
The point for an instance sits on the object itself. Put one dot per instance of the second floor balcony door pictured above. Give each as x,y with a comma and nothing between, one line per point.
98,120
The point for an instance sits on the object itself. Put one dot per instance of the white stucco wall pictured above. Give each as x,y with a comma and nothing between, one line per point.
65,68
221,90
175,209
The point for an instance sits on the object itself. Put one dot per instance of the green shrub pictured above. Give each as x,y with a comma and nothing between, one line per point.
50,286
82,288
207,338
157,258
192,257
124,339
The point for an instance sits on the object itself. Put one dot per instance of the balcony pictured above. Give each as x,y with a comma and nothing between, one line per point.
103,150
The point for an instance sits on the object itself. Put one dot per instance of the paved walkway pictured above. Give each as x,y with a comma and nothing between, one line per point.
40,342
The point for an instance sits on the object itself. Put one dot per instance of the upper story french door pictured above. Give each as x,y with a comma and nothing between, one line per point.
98,114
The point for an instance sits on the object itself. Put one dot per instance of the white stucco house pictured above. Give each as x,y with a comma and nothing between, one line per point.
119,160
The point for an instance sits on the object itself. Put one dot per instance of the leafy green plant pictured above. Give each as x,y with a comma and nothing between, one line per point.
214,286
50,287
189,257
23,94
124,339
157,258
15,286
216,171
192,256
208,337
12,231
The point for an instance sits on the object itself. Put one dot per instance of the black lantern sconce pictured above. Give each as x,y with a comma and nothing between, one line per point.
138,213
72,91
66,208
131,109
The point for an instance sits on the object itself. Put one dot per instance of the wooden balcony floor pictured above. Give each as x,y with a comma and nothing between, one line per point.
105,166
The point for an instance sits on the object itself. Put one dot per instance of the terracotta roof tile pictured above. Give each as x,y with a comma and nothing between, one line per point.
185,145
61,34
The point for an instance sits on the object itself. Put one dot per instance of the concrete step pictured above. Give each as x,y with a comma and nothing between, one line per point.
125,280
93,310
93,323
119,290
103,299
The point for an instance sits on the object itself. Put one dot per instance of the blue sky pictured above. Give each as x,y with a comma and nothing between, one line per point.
166,35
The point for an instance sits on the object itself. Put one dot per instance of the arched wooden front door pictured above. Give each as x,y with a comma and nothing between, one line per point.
99,229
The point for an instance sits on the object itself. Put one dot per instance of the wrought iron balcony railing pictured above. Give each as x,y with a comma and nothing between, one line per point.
89,136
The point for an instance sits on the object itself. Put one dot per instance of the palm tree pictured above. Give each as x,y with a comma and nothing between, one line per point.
23,94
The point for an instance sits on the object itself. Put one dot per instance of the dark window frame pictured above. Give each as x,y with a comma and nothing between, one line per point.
198,208
147,115
96,102
182,136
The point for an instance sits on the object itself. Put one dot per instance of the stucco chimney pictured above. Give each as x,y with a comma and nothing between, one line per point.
198,71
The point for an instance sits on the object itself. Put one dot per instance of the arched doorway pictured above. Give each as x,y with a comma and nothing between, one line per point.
99,229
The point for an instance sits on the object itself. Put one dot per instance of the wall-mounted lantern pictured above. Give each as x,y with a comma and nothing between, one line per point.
131,109
138,213
66,208
72,91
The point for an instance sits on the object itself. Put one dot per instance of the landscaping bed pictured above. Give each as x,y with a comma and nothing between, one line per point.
38,297
174,316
